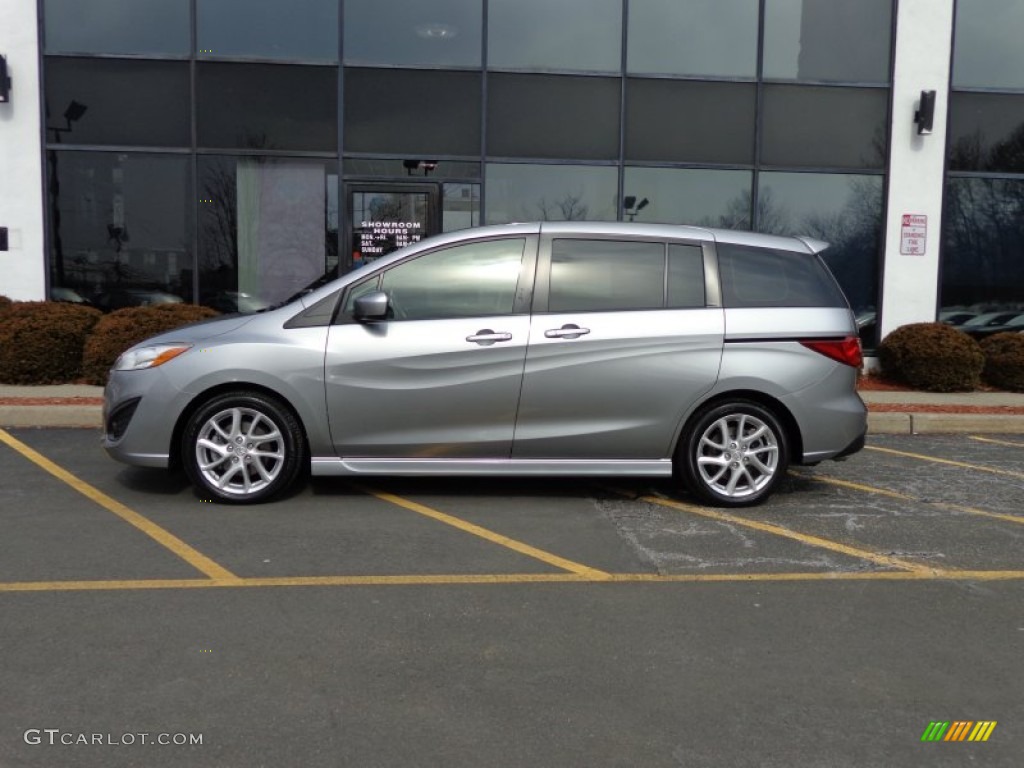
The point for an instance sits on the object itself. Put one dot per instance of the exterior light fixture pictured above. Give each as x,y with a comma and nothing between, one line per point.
428,166
925,114
5,82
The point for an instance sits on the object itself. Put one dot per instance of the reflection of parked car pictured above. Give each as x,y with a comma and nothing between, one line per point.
956,317
568,348
69,295
118,298
230,302
992,323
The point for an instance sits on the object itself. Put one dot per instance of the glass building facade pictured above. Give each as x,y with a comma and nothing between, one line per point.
211,150
207,149
983,218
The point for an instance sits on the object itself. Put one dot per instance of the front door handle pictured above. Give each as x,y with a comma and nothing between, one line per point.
485,337
567,331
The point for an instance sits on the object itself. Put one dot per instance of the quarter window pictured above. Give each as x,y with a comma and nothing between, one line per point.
759,277
473,280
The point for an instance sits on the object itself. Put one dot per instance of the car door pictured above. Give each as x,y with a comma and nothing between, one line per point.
440,378
622,343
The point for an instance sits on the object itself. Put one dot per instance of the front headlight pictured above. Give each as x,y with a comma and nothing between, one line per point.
149,357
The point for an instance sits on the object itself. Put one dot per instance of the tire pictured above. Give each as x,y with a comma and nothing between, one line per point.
733,454
243,448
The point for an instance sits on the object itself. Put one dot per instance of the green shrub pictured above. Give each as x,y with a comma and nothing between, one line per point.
124,328
933,357
41,341
1004,361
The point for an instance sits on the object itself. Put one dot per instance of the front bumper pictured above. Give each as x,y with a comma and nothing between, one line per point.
140,434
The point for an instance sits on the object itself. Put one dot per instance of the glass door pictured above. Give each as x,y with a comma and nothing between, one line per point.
385,217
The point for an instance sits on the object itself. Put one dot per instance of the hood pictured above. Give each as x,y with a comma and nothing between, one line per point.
204,329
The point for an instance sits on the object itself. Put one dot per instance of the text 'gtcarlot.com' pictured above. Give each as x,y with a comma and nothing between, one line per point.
55,736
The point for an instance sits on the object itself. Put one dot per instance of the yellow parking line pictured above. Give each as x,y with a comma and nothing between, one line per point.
778,530
1010,443
937,460
483,533
1019,520
411,580
191,556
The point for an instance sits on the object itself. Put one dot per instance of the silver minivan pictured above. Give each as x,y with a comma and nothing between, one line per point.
573,348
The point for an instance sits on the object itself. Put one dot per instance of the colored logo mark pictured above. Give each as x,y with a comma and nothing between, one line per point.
958,730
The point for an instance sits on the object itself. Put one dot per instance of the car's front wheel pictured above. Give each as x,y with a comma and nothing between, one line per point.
733,454
243,447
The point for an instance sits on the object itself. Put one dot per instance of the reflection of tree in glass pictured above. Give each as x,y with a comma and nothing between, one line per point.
853,232
570,208
983,237
387,208
219,217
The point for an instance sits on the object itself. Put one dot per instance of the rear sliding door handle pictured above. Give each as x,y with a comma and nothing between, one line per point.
567,331
485,337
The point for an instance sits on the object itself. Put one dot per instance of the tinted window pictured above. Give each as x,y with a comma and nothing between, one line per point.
760,277
272,29
696,37
696,196
267,106
824,127
431,113
121,227
413,33
107,101
472,280
553,116
986,132
685,276
267,226
568,34
988,51
550,193
834,40
844,210
606,275
116,26
983,228
690,122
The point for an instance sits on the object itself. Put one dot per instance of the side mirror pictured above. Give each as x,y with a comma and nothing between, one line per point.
372,306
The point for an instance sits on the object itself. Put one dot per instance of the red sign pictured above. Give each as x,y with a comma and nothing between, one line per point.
914,234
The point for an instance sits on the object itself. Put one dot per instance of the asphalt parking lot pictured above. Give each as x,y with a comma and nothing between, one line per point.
503,622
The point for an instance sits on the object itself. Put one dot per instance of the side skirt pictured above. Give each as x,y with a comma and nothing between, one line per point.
322,466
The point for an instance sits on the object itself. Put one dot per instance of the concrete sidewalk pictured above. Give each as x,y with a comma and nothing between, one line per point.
79,405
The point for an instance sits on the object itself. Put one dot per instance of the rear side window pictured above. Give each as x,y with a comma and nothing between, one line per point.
617,275
762,277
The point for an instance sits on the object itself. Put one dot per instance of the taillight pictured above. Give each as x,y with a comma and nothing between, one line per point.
846,351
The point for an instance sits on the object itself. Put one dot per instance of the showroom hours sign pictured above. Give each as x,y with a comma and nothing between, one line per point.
374,239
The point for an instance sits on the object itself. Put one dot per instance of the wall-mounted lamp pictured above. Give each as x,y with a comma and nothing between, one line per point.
631,207
428,166
925,114
5,82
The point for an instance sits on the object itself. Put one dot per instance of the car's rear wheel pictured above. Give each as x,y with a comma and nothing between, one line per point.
733,454
243,447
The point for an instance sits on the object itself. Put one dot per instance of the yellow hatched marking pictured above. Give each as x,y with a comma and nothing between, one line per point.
496,538
778,530
988,731
413,580
1010,443
950,462
193,557
1017,519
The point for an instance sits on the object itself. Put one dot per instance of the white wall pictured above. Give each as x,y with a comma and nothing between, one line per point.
923,40
22,268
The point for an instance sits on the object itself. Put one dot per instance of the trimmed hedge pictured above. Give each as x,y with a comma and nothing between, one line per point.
1004,361
4,303
41,341
932,356
124,328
